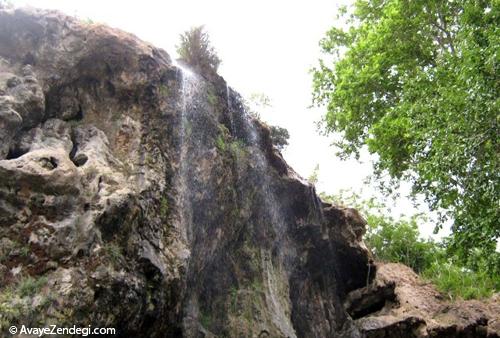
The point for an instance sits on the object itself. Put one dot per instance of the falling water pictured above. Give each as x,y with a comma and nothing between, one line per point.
241,124
189,88
230,110
277,305
183,185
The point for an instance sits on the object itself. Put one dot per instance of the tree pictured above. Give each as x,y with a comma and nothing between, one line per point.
279,136
417,83
257,102
195,49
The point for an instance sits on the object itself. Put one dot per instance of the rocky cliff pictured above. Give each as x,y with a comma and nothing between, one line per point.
139,195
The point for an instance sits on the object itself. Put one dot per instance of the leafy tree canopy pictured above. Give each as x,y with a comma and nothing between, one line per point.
279,136
417,82
196,50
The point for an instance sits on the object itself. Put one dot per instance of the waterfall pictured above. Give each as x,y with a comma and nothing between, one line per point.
196,134
272,206
189,88
230,110
183,186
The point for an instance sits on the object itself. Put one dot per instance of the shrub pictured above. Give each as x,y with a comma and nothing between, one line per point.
195,49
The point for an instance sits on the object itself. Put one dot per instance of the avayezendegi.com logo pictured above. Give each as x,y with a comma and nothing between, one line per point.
54,330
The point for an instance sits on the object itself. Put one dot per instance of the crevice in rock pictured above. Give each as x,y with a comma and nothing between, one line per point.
15,153
49,163
79,113
79,159
373,298
371,308
74,149
99,182
264,334
29,59
110,88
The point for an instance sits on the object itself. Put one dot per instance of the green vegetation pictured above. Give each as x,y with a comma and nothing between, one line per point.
164,208
205,320
30,286
455,280
234,298
11,248
220,143
314,177
258,101
225,143
238,149
398,240
211,96
279,137
11,307
195,49
15,300
113,251
417,83
163,90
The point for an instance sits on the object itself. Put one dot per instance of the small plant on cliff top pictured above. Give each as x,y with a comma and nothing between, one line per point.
195,49
279,137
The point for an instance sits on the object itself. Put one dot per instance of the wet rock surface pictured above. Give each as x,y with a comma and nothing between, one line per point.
135,194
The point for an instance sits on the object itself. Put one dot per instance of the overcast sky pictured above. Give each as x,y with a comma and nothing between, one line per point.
266,47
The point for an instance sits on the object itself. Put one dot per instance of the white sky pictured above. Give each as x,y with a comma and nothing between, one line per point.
265,46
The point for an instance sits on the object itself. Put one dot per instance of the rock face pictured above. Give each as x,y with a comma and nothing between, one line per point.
135,194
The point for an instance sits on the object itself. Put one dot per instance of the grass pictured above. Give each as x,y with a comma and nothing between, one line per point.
220,143
24,251
15,303
113,251
237,147
211,97
234,298
12,249
11,307
461,283
164,208
163,90
205,320
30,286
